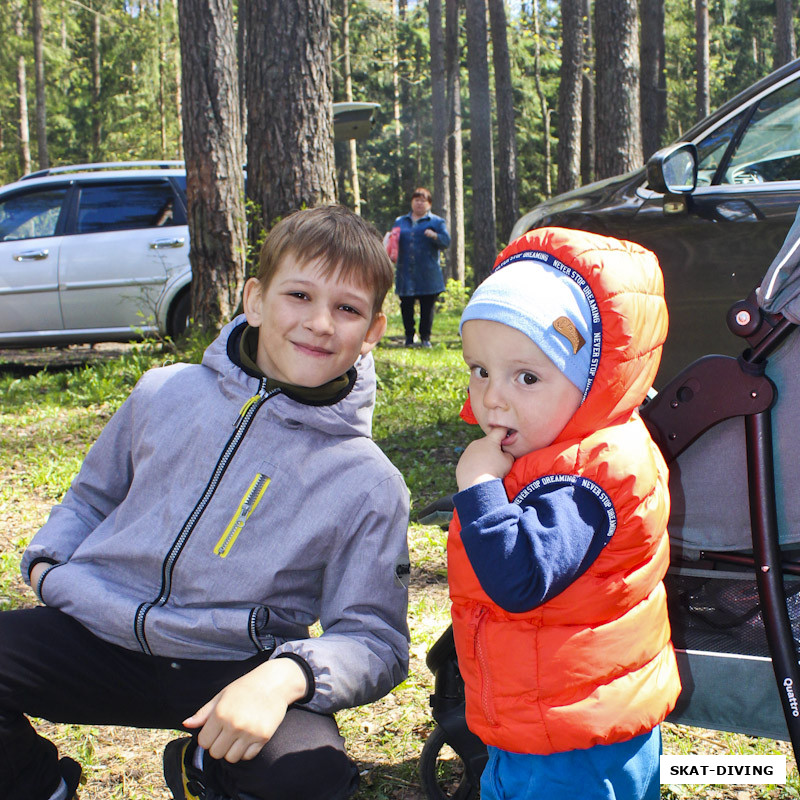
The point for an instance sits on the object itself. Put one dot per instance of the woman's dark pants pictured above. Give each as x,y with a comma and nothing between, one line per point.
427,303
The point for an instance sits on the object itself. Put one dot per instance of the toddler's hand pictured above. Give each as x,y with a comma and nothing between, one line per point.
483,460
242,718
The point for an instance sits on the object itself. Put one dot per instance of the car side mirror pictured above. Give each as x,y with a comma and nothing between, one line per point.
673,170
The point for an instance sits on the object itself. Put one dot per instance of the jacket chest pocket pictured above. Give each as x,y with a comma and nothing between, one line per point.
249,503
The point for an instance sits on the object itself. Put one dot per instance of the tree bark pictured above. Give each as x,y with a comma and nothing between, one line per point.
545,111
654,78
22,95
348,96
570,96
97,117
212,143
290,162
702,99
619,130
441,169
785,44
483,209
398,138
41,103
454,255
588,98
507,186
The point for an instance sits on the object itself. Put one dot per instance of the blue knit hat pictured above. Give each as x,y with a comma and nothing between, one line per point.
550,303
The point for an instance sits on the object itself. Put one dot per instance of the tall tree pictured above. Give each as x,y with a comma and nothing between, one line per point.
588,98
785,44
97,116
480,148
545,111
454,255
212,143
41,105
441,168
570,96
654,76
619,130
507,187
702,97
348,96
22,94
290,161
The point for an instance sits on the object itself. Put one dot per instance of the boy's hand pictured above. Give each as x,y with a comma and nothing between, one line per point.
36,573
243,717
483,460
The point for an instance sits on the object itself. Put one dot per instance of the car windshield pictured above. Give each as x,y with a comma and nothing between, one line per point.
711,149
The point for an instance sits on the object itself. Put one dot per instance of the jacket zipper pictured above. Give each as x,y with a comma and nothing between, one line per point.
242,424
248,505
481,656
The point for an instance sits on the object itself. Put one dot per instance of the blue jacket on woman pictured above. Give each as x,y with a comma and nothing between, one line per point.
418,271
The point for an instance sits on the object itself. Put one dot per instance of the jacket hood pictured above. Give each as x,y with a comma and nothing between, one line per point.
351,415
628,290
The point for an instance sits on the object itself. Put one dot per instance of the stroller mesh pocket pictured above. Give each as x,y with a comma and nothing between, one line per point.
719,612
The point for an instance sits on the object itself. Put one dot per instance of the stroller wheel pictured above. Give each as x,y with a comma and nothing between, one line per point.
441,771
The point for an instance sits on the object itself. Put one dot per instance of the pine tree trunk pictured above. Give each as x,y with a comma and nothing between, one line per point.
398,139
179,92
702,99
507,189
41,104
290,162
214,159
619,130
162,111
785,44
348,96
654,79
454,255
570,96
241,62
22,95
97,118
441,169
588,120
545,111
483,209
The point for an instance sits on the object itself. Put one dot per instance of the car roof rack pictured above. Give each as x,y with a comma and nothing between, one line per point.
104,165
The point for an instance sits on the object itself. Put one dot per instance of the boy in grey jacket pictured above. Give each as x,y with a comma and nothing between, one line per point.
224,509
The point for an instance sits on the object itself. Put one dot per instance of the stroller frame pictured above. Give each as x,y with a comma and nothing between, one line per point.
675,417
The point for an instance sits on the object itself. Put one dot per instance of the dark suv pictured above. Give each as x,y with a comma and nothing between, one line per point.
716,231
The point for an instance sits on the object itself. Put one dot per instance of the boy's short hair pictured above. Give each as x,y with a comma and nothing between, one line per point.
346,245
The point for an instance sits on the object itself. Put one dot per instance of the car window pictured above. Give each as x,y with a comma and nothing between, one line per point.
30,215
127,206
769,150
711,149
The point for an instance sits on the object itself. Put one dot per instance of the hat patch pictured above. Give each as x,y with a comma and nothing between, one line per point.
566,327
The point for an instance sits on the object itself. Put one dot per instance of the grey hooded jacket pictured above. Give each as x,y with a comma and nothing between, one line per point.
214,520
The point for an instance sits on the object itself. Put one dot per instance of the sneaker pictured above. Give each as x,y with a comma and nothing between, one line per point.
72,774
184,780
426,343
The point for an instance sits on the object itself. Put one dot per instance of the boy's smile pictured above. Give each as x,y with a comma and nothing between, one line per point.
312,326
515,387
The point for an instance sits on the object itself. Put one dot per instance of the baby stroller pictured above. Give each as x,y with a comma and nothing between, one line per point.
727,429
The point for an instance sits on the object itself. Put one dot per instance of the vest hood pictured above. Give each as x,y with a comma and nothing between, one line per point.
628,289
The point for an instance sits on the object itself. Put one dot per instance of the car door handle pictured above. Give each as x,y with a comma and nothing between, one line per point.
31,255
160,244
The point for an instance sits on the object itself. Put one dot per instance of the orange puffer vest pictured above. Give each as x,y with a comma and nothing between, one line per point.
594,664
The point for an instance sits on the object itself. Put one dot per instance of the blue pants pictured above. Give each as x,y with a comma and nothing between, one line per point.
624,771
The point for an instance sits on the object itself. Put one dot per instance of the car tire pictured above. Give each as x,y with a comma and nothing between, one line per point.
179,315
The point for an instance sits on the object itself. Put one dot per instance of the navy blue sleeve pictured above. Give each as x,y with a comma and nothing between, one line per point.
526,553
443,235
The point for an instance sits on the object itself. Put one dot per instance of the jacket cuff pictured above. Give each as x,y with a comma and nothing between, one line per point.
311,683
480,499
39,560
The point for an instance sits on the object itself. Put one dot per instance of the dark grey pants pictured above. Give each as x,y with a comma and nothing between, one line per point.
52,667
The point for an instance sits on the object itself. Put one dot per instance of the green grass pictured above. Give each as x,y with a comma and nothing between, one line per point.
50,416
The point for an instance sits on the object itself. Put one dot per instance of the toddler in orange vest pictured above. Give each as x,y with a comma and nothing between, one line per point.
558,548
